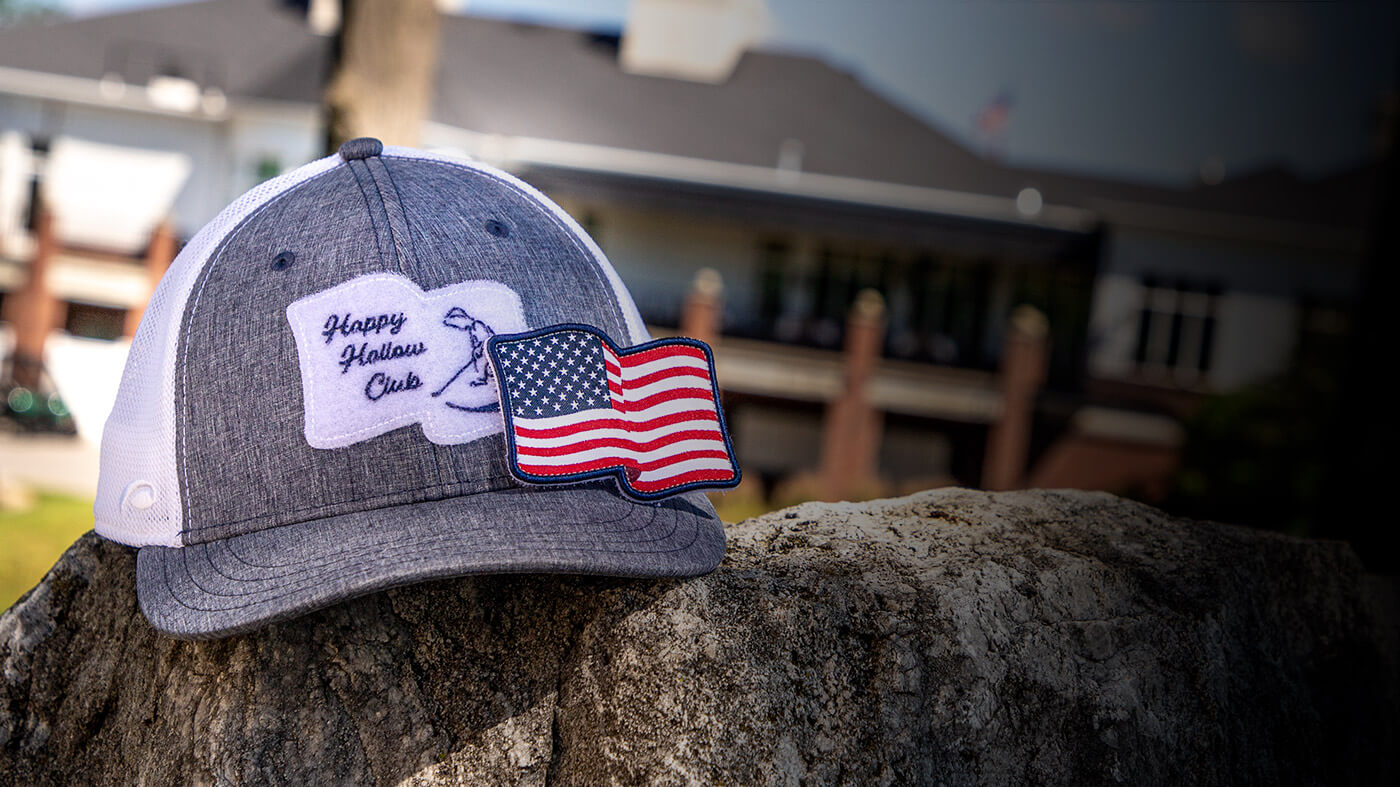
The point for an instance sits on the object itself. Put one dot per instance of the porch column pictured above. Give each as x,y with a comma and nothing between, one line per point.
1023,363
704,307
159,254
851,432
31,310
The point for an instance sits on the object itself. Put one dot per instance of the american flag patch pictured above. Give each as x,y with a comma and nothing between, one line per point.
577,407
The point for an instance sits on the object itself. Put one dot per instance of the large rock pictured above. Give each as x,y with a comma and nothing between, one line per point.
952,636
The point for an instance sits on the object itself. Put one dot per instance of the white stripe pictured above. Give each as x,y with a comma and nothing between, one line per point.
672,384
655,411
681,468
579,457
644,369
701,381
673,406
615,394
620,434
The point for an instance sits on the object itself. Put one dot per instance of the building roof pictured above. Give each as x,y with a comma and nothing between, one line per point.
525,80
256,49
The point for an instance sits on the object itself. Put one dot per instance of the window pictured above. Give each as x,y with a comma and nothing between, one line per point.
39,148
947,300
834,287
1176,329
95,322
774,288
1062,292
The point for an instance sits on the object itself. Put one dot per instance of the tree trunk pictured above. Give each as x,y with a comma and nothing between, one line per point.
383,79
951,637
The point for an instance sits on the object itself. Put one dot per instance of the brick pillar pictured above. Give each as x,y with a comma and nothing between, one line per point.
31,310
1023,362
851,432
704,306
159,254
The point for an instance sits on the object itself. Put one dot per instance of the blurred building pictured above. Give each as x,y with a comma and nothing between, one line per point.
794,181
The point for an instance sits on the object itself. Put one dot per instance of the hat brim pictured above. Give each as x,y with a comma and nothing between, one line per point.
236,584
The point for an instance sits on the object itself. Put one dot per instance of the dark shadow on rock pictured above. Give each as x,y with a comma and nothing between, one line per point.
952,637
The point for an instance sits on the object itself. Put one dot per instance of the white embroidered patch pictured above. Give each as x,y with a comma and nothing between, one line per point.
378,353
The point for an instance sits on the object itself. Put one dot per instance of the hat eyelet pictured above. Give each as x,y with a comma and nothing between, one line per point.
283,260
139,495
497,228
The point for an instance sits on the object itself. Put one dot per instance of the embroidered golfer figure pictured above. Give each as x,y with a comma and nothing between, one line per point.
478,333
377,353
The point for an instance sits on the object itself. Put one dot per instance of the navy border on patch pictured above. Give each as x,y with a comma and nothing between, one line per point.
617,472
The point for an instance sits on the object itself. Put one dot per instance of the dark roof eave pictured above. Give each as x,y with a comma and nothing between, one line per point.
777,212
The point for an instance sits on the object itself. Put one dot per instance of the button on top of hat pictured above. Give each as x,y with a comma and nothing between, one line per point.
360,147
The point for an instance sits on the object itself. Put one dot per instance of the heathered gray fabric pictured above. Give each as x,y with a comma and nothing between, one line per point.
541,259
244,458
236,584
275,527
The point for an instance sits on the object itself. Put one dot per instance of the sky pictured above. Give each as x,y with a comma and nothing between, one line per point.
1152,91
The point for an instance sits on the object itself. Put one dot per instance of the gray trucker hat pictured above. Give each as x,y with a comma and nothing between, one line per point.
307,412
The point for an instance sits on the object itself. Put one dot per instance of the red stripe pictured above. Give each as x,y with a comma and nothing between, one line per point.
658,484
668,351
682,383
639,405
680,371
616,423
620,442
599,464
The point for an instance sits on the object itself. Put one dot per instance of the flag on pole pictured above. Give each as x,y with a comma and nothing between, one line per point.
992,121
577,407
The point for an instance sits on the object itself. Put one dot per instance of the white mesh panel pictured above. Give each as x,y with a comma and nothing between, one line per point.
630,314
138,443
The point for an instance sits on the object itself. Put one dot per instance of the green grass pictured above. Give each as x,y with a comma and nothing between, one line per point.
31,540
737,508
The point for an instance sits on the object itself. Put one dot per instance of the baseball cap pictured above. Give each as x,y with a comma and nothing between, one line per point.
307,413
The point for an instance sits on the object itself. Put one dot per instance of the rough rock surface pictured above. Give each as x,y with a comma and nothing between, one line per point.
949,637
